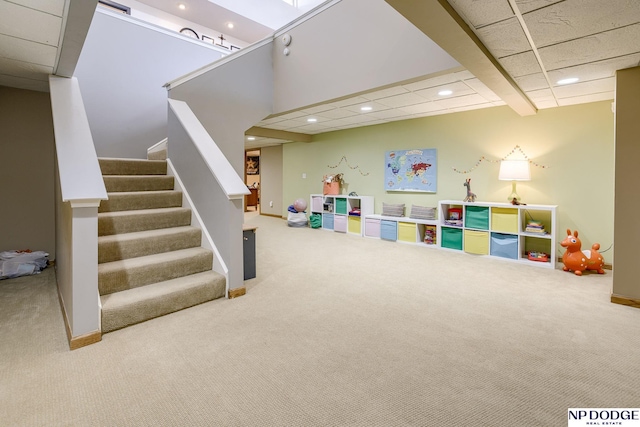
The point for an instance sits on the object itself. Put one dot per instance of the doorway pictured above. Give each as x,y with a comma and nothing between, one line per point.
252,180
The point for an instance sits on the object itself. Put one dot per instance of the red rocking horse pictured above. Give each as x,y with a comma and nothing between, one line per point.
578,261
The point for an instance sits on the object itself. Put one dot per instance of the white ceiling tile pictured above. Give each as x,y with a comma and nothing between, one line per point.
461,101
540,95
24,83
463,75
504,38
421,108
596,70
458,89
584,88
387,114
54,7
432,82
611,44
391,91
318,109
292,115
336,113
352,120
532,82
25,69
401,100
27,51
521,64
482,89
270,121
551,103
472,107
596,97
376,106
572,19
481,13
311,128
526,6
29,24
349,101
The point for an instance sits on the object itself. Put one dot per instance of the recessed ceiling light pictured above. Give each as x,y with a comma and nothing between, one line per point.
312,120
568,81
230,25
445,92
182,6
251,138
366,108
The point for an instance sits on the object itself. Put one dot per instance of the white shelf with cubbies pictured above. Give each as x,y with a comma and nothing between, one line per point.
524,233
402,229
341,213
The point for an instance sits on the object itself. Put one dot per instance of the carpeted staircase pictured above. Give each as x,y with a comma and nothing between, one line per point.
150,259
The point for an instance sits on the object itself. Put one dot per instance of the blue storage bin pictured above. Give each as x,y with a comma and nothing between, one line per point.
327,221
388,230
476,217
504,245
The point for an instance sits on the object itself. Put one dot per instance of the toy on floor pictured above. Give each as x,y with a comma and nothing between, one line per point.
471,197
300,205
578,261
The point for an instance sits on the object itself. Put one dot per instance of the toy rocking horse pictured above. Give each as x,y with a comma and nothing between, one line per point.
471,197
579,261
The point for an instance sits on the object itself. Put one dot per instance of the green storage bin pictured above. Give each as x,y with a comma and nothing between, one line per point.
341,206
477,217
452,238
315,220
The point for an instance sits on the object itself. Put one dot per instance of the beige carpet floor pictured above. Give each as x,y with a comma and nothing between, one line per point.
336,330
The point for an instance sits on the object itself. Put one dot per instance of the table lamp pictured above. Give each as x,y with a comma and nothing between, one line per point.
514,170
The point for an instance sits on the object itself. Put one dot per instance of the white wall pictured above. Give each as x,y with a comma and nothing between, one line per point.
271,186
26,171
351,47
121,72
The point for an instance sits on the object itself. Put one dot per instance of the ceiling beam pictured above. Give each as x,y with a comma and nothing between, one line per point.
278,134
442,24
75,26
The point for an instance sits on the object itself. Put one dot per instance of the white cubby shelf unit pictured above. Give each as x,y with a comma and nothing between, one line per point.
402,229
340,212
523,233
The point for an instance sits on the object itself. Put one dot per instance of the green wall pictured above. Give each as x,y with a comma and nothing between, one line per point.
574,143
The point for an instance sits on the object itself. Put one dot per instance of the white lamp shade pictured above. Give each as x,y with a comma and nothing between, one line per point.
514,170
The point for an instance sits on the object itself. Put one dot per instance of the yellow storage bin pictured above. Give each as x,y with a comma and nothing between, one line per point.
407,232
504,220
354,225
476,242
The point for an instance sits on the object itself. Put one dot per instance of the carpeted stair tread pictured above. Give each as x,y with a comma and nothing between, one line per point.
139,304
131,245
131,273
112,166
140,220
135,200
118,183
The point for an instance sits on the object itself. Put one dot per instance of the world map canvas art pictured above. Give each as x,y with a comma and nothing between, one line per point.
410,170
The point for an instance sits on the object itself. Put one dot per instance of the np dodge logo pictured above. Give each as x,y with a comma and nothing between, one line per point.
626,417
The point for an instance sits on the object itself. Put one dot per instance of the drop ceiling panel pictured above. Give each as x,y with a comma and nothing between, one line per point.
356,108
532,82
458,89
25,69
504,38
24,83
604,96
54,7
481,13
596,70
391,114
426,107
27,51
349,101
384,93
403,100
560,22
317,109
611,44
521,64
461,101
585,88
311,128
29,24
526,6
482,89
336,113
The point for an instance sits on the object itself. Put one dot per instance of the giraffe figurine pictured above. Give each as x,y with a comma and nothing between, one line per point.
471,197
